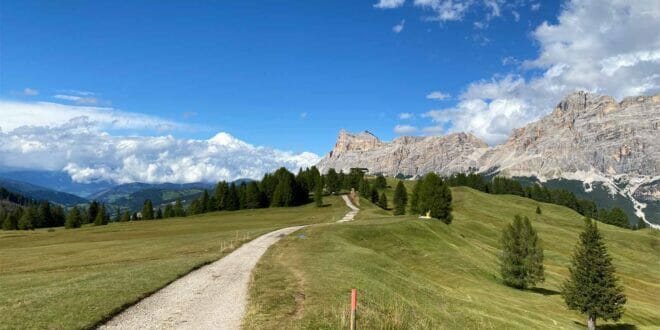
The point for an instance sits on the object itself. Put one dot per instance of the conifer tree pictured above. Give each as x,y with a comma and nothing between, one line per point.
538,209
521,261
101,218
92,210
232,202
435,197
126,217
11,220
73,219
382,201
159,213
284,194
253,196
318,195
204,203
380,183
27,220
374,195
148,210
178,209
400,199
220,195
592,287
332,181
414,199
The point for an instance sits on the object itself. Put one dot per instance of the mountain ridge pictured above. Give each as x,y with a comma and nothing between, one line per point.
587,137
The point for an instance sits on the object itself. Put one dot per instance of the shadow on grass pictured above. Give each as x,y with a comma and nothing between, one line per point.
544,291
612,326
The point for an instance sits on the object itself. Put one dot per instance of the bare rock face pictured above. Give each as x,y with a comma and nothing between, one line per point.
586,133
405,155
588,137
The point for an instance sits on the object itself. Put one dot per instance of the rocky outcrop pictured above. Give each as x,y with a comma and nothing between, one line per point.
588,137
406,155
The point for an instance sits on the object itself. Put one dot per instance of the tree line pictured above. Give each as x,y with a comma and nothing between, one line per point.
501,185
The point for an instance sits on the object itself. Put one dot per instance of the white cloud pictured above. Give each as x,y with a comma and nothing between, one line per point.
406,115
437,95
405,129
17,114
609,47
389,4
535,6
446,10
516,15
87,153
30,91
85,100
303,115
399,27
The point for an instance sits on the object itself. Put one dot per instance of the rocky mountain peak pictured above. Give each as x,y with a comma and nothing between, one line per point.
354,142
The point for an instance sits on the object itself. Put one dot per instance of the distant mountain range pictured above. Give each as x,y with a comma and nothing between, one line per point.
590,144
41,193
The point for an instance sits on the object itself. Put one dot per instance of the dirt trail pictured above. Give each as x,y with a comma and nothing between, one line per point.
212,297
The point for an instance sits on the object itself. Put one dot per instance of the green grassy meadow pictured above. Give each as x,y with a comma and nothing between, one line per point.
75,278
423,274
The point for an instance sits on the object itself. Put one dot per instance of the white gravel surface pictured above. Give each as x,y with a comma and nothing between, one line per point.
212,297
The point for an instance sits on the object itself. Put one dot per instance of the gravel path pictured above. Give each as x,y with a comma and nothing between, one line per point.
354,210
212,297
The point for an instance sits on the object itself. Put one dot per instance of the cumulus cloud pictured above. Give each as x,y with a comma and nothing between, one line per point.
17,114
87,100
389,4
437,95
88,153
406,115
399,27
609,47
405,129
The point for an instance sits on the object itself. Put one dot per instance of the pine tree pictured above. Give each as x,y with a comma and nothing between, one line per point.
220,195
148,210
73,219
435,197
92,210
414,199
101,218
318,195
253,196
592,287
538,209
380,183
400,199
284,194
126,217
374,195
159,213
382,201
521,261
178,209
332,181
27,220
204,204
232,201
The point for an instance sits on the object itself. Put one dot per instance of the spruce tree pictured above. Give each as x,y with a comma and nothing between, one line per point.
27,220
332,181
318,195
101,218
380,183
521,261
73,219
159,213
126,217
538,209
253,197
382,201
592,287
435,197
148,210
374,195
232,201
400,199
284,195
414,199
178,209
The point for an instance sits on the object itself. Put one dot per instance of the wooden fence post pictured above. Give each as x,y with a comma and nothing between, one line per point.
353,308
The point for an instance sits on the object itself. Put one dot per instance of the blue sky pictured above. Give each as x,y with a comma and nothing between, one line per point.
287,74
185,91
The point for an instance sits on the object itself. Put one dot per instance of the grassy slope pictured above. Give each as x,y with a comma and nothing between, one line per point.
75,278
413,273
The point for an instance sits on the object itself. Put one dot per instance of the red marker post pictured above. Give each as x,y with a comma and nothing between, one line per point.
353,307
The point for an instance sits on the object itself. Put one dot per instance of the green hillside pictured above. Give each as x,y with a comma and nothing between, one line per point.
65,279
423,274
